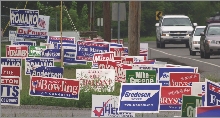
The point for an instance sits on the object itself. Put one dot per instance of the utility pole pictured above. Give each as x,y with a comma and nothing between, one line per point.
134,23
107,20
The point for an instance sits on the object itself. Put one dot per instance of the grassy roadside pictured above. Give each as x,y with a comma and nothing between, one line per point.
70,73
143,39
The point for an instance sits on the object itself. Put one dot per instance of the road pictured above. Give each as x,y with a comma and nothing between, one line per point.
179,53
175,52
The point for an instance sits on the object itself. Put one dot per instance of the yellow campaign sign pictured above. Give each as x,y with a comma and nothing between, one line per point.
158,14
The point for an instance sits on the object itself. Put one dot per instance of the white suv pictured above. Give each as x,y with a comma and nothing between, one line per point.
173,29
194,40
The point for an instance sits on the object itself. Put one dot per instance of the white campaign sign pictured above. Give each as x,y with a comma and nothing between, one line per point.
13,37
197,88
109,104
49,45
97,79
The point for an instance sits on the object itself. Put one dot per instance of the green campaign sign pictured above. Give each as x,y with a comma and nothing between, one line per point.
189,105
141,76
35,51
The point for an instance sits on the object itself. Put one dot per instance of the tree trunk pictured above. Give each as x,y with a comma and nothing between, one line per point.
107,21
134,21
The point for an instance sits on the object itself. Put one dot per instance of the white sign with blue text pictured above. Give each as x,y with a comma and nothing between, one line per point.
140,97
212,93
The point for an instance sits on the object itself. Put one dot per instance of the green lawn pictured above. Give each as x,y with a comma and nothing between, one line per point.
143,39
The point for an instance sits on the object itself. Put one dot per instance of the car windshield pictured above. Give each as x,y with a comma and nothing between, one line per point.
198,31
176,22
214,30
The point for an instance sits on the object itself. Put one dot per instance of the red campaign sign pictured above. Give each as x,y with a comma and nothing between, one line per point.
183,79
54,87
102,56
125,59
17,51
118,51
120,72
10,80
172,95
116,41
12,71
98,40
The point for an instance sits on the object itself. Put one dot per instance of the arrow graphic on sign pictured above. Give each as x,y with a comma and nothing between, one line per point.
158,14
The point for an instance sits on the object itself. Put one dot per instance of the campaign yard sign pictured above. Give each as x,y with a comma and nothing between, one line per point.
141,76
86,49
12,36
163,73
33,62
189,105
11,61
56,39
24,17
171,97
107,106
101,56
116,41
100,80
17,51
54,87
69,58
66,46
35,51
13,71
48,71
10,90
28,43
139,97
52,53
183,78
198,89
48,45
208,111
212,93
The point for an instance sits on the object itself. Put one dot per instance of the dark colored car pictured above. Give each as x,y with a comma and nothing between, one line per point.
213,19
210,41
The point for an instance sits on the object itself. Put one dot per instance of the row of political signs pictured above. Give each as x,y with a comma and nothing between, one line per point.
147,86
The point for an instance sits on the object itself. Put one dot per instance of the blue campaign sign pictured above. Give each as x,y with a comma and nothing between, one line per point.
140,97
29,43
163,73
56,39
10,94
208,111
32,62
116,45
69,58
46,71
31,32
66,46
212,93
11,61
86,49
24,17
52,53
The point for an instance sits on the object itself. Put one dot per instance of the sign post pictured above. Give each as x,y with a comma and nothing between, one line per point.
61,37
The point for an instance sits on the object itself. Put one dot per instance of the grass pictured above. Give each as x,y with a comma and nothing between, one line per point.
70,73
143,39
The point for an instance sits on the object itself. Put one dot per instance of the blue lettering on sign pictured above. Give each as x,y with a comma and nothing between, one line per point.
29,43
24,17
51,53
45,71
9,94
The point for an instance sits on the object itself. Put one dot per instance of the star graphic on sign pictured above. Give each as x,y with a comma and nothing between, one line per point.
213,88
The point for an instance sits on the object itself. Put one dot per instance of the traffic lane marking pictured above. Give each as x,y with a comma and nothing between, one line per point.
186,58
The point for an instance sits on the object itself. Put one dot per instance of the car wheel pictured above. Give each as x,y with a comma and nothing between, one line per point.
187,45
201,54
162,44
206,55
157,43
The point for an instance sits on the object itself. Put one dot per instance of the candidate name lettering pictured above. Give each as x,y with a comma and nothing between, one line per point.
51,54
191,110
58,86
92,50
31,32
103,57
47,74
17,53
37,63
165,100
214,99
23,18
11,63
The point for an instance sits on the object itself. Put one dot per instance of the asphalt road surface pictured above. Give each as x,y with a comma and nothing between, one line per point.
175,52
179,53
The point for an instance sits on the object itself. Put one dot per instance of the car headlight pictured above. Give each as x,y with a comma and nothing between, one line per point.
165,33
211,41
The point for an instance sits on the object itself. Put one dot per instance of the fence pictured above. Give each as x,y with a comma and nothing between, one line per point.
5,25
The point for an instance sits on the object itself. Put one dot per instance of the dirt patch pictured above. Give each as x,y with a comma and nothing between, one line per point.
171,61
